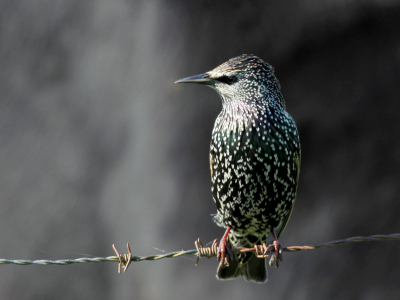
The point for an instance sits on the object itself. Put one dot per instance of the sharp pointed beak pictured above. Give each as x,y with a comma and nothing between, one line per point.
202,79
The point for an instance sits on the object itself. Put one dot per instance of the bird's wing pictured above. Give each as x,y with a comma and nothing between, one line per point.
216,200
296,174
211,165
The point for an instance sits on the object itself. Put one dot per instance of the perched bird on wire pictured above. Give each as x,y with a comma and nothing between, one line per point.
254,162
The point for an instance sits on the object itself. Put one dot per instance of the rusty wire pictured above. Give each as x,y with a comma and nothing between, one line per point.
125,259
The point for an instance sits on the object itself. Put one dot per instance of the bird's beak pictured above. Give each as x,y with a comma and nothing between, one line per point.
202,79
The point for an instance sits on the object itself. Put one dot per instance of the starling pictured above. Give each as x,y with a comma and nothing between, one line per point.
254,162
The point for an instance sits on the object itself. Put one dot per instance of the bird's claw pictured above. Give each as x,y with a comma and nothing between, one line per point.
275,249
224,252
224,249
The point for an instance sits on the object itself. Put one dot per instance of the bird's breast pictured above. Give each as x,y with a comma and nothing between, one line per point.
254,174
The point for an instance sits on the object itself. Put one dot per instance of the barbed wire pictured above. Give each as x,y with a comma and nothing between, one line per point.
124,260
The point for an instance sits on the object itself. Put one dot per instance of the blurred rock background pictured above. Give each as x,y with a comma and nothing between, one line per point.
98,146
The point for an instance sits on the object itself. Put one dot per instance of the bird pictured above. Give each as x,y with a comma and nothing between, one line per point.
254,161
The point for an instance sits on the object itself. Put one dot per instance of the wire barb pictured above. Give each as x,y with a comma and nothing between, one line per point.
124,259
205,252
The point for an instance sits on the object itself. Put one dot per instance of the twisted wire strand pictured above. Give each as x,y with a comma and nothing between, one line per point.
356,239
200,251
45,262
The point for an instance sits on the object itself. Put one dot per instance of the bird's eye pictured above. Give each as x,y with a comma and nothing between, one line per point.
228,79
232,79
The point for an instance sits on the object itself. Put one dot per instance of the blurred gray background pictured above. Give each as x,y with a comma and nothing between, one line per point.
98,146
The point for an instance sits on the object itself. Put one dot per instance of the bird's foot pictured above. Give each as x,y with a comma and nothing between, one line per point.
224,249
275,251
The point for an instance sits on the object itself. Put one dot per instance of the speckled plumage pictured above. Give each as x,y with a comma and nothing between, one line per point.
254,159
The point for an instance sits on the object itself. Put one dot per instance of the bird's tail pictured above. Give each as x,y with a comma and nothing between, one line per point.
247,265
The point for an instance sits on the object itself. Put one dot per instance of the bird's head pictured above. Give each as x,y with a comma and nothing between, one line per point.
245,78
